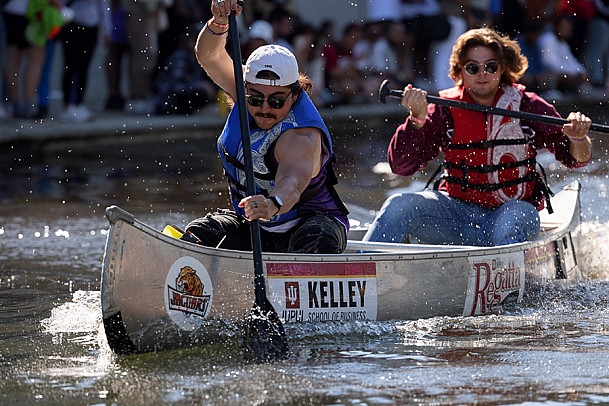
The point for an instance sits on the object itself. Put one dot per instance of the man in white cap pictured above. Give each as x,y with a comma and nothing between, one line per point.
292,152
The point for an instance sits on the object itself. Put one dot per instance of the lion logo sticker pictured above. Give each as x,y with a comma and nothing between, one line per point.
188,293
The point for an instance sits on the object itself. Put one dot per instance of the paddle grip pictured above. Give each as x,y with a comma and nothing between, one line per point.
385,92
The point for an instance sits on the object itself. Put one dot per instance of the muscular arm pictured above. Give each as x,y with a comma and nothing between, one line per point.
298,153
299,156
211,52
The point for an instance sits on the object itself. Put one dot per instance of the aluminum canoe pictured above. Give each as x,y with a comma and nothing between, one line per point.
159,292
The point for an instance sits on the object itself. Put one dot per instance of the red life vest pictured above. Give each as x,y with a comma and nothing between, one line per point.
489,160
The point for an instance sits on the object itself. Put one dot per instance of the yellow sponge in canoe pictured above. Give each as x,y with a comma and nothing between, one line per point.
173,231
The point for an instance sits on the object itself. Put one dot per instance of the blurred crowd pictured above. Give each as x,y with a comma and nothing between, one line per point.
404,41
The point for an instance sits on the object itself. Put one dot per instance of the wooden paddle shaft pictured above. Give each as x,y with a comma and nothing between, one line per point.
385,92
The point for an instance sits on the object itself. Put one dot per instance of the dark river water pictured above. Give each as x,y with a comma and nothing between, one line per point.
552,348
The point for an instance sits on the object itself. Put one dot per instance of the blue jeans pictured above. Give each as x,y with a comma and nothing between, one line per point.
433,217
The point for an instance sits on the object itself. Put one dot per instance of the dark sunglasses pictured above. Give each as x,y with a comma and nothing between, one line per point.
273,101
471,68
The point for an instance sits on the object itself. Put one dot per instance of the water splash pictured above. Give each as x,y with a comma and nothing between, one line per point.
79,322
81,315
594,255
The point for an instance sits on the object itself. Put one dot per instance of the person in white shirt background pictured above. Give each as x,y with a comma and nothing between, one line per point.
558,57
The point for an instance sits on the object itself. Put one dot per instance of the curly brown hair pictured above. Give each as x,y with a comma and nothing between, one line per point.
506,50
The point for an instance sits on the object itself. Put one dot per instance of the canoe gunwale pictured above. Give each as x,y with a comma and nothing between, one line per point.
384,251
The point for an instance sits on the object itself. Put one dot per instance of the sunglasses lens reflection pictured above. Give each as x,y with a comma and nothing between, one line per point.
491,67
255,101
472,68
274,102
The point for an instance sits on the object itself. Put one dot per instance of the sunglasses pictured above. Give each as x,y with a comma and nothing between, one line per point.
273,101
471,68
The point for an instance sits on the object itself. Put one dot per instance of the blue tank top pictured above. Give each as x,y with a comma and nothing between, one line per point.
316,197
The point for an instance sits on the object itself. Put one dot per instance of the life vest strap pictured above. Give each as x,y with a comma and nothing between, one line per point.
237,164
491,187
489,143
489,168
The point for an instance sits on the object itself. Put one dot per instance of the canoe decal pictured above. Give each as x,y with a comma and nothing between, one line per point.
493,279
189,293
323,291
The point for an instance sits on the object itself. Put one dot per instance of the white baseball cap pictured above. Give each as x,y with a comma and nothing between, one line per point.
276,59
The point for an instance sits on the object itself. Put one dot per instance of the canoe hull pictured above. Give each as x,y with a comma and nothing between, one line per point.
159,292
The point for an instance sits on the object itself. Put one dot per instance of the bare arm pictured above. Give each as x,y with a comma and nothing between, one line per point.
299,156
210,47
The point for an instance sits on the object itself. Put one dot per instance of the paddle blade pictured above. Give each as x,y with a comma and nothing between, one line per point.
265,339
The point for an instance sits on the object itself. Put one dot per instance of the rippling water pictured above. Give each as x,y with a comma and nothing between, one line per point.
553,348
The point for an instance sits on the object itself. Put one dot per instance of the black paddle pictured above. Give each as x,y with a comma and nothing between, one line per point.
264,338
384,91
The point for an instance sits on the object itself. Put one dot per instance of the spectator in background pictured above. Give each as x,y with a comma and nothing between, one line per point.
343,79
260,33
183,87
511,17
558,58
79,39
44,87
388,10
478,13
21,87
362,51
116,48
142,41
385,59
309,55
283,22
424,22
537,78
596,54
181,14
456,13
580,13
327,34
304,43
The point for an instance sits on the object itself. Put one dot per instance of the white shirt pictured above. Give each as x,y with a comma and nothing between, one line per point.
557,56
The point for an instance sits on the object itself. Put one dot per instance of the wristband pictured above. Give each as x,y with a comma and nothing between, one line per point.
214,33
277,202
417,120
212,22
578,140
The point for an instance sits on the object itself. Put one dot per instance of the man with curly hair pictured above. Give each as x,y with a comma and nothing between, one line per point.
491,191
